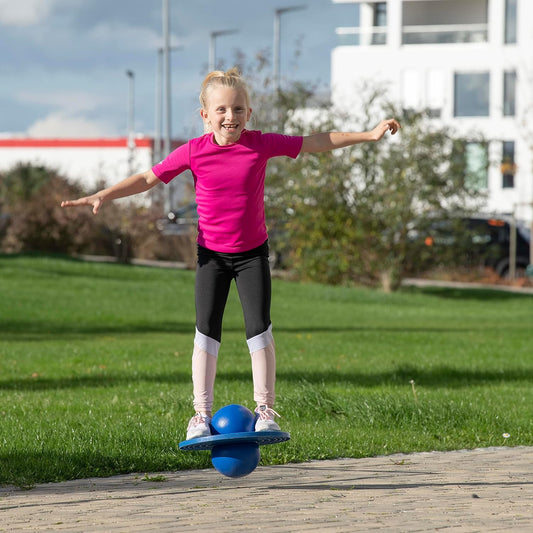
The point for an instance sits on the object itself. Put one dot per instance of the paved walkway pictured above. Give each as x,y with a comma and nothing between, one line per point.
416,282
479,490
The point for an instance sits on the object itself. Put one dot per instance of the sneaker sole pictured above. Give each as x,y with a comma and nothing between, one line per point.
267,427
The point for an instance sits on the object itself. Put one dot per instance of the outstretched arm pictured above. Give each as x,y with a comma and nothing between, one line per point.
323,142
133,185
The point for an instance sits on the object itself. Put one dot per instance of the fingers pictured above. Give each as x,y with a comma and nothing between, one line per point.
384,126
393,125
94,203
69,203
74,203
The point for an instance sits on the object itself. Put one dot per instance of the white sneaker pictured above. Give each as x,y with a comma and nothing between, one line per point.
198,426
265,419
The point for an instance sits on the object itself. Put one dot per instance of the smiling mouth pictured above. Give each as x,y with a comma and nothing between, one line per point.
230,126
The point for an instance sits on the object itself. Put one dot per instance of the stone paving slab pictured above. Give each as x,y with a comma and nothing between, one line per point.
483,490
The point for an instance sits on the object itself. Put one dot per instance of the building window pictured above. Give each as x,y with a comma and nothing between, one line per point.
477,165
509,93
444,21
471,94
508,166
380,14
510,21
379,21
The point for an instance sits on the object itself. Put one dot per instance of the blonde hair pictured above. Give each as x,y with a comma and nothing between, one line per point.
231,78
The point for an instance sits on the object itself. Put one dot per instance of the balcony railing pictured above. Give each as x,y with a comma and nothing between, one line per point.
445,34
355,36
431,34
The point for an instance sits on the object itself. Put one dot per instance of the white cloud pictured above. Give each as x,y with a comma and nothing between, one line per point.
62,124
124,37
25,12
70,101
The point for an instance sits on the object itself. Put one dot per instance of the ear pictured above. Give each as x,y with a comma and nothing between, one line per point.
203,114
249,114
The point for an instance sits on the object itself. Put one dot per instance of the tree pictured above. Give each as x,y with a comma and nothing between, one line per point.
351,216
21,183
30,200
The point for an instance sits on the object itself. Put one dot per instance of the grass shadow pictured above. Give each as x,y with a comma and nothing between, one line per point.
107,380
32,330
438,377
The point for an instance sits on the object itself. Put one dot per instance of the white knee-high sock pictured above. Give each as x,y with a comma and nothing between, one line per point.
204,368
264,374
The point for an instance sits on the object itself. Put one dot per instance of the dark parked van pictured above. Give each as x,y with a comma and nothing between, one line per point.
487,240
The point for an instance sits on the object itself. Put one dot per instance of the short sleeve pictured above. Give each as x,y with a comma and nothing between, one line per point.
283,145
174,164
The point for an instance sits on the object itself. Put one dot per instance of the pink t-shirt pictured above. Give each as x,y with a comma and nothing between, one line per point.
229,182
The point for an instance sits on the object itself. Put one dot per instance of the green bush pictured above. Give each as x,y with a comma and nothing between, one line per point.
33,221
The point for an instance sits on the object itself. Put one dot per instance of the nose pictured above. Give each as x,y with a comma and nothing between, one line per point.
229,114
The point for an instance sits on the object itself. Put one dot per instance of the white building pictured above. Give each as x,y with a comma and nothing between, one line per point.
92,162
86,161
470,62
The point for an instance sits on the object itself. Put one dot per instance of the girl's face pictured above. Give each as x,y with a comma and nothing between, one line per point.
226,113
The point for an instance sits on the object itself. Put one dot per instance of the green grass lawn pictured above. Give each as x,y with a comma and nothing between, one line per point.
95,369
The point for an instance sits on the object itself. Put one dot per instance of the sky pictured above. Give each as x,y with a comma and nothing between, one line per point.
63,63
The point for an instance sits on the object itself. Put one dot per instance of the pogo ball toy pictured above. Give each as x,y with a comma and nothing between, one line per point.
236,460
234,444
233,419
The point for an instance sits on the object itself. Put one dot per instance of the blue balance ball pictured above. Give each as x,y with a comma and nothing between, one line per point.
233,419
235,460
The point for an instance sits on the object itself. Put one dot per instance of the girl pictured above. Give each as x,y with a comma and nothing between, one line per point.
228,164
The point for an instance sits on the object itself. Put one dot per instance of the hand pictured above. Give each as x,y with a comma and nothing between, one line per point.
94,201
379,131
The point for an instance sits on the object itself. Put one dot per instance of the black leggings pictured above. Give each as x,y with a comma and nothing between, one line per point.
214,273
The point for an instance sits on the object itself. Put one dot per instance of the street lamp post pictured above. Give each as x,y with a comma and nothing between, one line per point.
277,42
167,98
131,119
166,68
156,156
212,46
158,152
